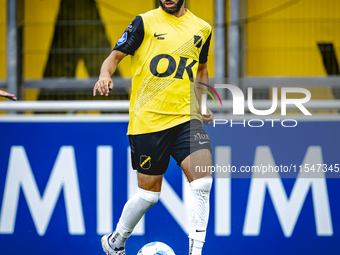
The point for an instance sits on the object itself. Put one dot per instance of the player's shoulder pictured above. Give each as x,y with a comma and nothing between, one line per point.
149,14
144,18
197,19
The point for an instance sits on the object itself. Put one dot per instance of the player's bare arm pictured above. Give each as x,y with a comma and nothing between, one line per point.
203,77
109,66
8,95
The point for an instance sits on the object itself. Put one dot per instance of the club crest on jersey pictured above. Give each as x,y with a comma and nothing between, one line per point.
198,41
122,39
145,162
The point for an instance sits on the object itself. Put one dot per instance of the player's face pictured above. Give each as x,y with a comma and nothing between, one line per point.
171,6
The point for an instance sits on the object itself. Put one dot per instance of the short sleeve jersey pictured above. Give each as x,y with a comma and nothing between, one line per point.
165,53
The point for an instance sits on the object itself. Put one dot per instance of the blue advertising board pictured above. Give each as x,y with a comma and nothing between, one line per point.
64,184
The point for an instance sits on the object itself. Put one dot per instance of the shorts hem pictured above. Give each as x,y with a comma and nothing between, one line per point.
192,151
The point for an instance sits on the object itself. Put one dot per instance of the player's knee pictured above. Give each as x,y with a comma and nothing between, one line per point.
204,183
149,196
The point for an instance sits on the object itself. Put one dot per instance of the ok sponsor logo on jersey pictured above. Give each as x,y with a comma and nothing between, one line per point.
182,67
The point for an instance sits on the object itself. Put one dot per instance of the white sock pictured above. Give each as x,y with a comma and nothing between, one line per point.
195,247
199,213
116,240
133,211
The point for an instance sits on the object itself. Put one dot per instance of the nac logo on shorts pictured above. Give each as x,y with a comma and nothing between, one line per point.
172,67
145,162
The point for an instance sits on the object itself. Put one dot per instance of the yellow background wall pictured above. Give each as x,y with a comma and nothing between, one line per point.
40,17
285,43
38,34
116,24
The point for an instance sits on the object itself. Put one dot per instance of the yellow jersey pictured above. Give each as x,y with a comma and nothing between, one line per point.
165,53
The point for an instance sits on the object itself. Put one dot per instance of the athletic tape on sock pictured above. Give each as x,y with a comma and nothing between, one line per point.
149,196
202,184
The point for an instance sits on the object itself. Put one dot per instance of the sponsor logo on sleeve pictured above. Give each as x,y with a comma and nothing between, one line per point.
122,39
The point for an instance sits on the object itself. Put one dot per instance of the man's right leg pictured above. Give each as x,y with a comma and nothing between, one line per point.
149,187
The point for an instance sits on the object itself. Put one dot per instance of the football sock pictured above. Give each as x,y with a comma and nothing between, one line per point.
116,240
199,213
133,211
195,247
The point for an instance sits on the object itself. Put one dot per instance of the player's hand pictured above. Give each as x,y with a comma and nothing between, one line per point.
208,118
8,95
103,85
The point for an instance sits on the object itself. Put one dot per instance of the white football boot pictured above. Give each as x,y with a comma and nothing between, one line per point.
108,249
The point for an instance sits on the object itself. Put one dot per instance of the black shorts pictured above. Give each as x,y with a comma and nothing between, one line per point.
150,153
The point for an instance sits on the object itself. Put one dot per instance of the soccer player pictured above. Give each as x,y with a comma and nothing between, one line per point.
8,95
169,48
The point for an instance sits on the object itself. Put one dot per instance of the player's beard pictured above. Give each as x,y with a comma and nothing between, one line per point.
173,9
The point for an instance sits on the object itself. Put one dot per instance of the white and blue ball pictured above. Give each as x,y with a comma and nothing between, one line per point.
156,248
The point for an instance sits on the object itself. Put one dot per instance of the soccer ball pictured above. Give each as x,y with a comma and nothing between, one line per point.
156,248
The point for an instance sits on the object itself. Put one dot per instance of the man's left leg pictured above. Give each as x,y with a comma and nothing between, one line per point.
200,184
149,187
